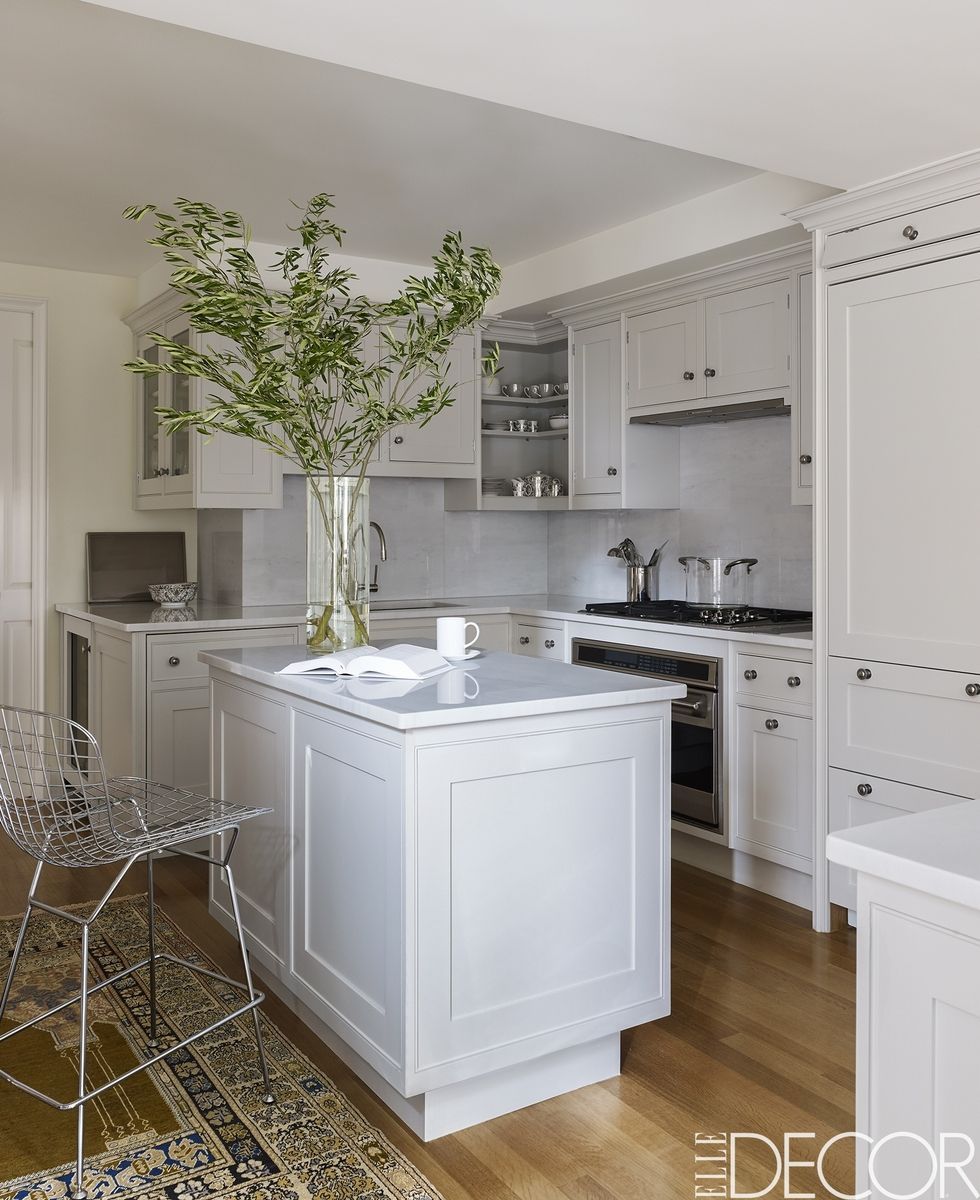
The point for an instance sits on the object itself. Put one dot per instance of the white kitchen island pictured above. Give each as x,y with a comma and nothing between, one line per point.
464,889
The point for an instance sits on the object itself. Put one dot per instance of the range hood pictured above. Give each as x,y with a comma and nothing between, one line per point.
713,413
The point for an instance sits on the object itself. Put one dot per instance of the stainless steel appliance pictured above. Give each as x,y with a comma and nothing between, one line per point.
678,612
695,769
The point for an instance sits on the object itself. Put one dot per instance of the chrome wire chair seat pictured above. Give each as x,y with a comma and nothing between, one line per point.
58,805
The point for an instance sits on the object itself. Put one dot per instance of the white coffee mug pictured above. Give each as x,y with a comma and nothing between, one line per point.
453,687
451,636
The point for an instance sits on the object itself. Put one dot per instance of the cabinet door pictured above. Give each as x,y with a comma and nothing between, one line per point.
112,701
774,787
152,392
450,437
540,641
597,410
177,481
747,340
803,407
903,429
663,363
862,800
178,741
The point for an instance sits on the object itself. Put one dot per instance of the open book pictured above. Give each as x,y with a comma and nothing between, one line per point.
394,662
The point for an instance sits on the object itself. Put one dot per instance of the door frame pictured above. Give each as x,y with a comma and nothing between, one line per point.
38,310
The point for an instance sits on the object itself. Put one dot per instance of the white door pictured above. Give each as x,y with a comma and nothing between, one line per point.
747,340
903,430
597,410
663,361
19,668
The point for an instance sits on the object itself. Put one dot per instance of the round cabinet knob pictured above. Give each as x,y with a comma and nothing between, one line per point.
688,375
910,232
750,675
793,681
806,459
709,372
525,641
771,723
611,471
864,789
863,673
174,660
973,689
398,440
549,644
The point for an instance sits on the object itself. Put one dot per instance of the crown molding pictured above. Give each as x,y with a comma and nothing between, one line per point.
935,183
755,268
526,333
154,311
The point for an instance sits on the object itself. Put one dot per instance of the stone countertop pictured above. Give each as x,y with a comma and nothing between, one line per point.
490,686
937,852
147,618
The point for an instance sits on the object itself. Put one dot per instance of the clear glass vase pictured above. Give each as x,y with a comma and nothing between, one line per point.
336,563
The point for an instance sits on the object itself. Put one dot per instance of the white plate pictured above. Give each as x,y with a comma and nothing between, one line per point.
468,655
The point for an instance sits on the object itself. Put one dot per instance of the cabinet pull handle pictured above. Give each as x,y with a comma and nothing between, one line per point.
772,723
750,675
806,459
863,673
611,471
174,660
973,689
525,641
688,375
864,789
398,440
793,681
550,644
709,372
910,232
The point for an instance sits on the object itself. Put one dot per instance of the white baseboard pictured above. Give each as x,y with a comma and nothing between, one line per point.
775,880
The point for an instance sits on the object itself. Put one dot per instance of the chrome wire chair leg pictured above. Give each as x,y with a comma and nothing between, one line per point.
79,1192
19,943
154,1041
268,1098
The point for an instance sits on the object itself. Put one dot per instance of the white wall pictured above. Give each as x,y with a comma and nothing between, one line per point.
91,426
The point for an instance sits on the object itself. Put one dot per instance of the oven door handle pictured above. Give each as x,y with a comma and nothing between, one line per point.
695,707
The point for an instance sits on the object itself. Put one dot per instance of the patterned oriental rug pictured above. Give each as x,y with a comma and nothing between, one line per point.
192,1127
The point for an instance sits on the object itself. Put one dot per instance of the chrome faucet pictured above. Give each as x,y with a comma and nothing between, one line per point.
382,553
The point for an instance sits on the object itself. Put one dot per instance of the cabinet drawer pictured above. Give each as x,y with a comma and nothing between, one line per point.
774,678
955,219
862,799
540,641
910,724
174,656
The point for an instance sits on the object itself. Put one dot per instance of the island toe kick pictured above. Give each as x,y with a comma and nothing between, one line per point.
467,903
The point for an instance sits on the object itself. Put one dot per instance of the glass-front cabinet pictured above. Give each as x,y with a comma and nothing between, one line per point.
165,460
186,469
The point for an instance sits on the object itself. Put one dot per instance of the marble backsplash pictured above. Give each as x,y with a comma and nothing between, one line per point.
735,500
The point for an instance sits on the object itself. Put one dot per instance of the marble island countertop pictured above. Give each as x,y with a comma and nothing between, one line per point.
147,618
937,852
488,687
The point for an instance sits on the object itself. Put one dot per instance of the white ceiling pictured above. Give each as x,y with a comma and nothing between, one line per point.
104,109
840,92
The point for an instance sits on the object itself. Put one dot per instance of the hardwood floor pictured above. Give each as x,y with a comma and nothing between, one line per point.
760,1039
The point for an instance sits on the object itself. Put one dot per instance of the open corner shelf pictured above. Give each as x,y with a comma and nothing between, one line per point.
529,401
529,437
524,503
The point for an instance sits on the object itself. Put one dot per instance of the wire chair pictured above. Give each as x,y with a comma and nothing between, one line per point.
58,805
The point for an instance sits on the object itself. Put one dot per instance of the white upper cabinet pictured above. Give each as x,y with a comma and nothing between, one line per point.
665,356
186,469
747,340
449,439
596,413
903,432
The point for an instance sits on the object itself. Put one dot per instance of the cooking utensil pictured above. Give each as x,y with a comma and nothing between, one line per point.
636,583
655,556
717,582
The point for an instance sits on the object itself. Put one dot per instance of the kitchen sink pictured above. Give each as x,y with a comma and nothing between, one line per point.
392,605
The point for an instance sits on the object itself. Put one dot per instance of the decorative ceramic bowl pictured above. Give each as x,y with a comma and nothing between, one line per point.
173,595
558,422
